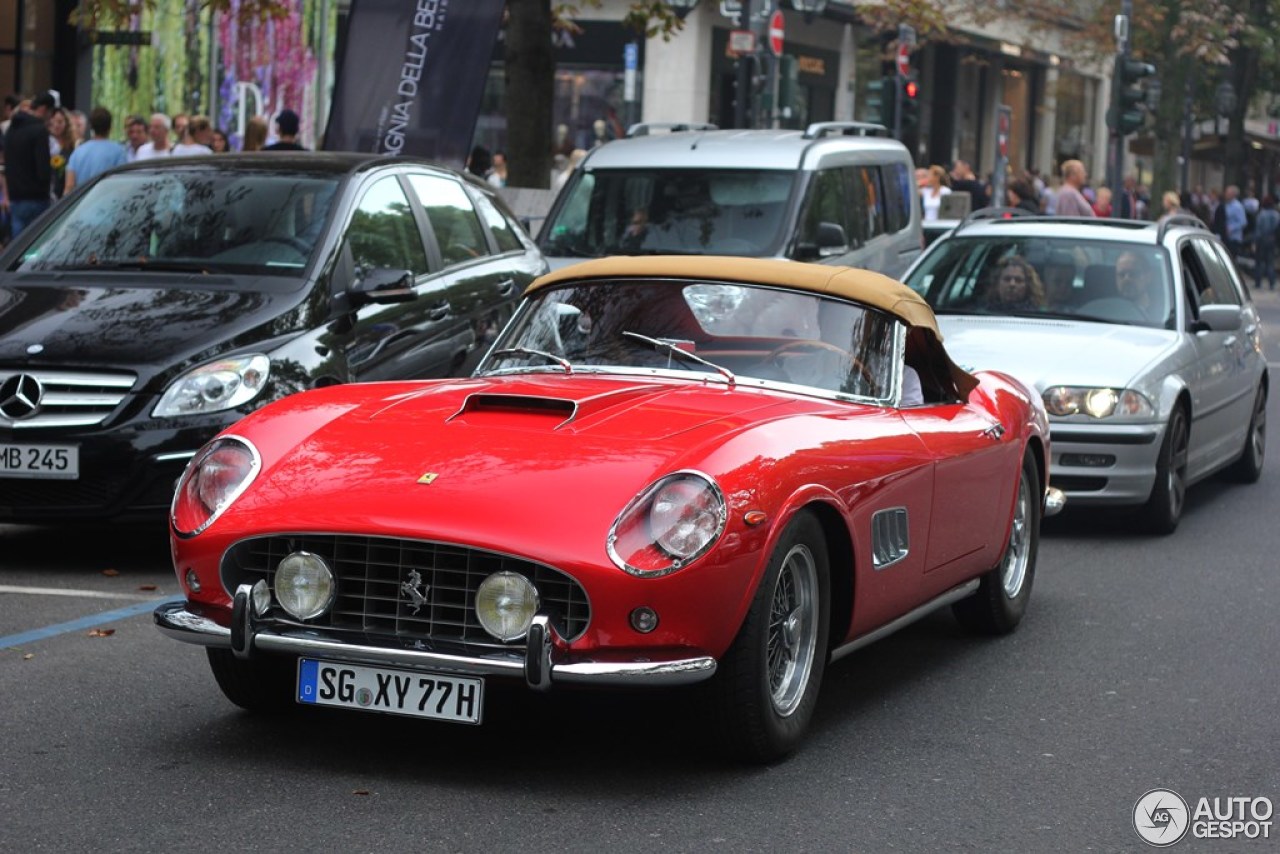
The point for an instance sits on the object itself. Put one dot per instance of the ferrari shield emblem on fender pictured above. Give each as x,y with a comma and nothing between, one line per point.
428,478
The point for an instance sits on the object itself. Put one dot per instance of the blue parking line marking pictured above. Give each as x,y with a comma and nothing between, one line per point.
82,623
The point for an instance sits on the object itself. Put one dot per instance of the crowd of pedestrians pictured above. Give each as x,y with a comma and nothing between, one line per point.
1249,225
47,150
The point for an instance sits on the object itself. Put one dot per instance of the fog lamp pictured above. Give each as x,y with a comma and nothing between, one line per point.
506,603
304,585
644,619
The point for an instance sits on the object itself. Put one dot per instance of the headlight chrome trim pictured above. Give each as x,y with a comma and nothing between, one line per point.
641,503
255,466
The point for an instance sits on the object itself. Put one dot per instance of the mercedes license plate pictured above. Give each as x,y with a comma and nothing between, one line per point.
397,692
57,462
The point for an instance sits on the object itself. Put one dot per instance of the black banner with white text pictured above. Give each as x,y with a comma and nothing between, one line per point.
411,77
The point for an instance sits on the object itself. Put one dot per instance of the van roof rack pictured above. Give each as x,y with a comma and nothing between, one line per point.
646,128
821,129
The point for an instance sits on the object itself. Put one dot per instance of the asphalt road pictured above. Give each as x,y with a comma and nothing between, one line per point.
1143,663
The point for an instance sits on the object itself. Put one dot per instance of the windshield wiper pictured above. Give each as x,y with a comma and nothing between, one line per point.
525,351
143,264
673,350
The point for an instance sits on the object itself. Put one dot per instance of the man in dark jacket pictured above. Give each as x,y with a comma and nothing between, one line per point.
27,171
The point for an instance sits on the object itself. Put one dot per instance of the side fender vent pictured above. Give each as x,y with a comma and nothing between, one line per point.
889,538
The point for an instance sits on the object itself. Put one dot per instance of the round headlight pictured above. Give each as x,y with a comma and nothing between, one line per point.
506,603
304,585
674,521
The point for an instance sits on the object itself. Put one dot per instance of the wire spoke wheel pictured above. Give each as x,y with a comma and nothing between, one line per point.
1013,570
793,629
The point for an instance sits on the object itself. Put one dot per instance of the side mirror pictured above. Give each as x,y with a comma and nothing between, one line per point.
382,285
1219,318
831,240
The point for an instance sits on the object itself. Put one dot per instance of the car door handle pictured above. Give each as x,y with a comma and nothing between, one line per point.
507,287
995,431
1229,342
439,311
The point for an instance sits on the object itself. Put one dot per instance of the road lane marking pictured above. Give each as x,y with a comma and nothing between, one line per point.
84,594
82,623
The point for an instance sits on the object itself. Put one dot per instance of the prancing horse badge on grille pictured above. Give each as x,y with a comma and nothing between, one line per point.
415,590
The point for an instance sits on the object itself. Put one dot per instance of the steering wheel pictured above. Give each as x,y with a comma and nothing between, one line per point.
777,357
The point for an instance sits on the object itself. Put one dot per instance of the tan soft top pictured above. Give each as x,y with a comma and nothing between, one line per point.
862,286
925,352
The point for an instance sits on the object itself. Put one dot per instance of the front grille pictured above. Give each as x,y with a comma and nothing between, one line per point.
371,570
70,398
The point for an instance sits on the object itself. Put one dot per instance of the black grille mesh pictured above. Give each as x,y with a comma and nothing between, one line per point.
371,570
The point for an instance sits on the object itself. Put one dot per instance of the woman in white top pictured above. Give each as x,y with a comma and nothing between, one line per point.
196,138
933,191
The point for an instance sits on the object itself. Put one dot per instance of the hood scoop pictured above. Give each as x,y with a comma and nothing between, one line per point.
554,408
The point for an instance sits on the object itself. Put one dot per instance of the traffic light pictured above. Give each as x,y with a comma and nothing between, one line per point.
1127,112
881,97
910,104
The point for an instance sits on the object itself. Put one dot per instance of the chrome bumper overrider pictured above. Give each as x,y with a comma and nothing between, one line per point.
546,659
1054,500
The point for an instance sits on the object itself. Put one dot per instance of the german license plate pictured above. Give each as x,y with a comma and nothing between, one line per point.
397,692
57,462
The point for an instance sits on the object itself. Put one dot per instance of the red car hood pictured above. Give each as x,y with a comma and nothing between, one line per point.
501,462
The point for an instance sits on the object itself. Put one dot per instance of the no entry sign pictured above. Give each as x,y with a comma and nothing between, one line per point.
776,33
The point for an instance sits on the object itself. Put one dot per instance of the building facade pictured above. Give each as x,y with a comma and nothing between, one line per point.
177,57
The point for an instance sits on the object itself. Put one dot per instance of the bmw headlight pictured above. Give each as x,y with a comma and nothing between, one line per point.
1097,402
676,520
304,585
214,478
213,387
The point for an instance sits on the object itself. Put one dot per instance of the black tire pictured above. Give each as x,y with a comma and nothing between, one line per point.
261,684
766,686
1001,599
1163,510
1248,468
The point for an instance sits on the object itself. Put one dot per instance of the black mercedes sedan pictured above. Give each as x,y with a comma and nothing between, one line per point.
165,300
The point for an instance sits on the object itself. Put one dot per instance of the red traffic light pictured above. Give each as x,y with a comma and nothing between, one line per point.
911,89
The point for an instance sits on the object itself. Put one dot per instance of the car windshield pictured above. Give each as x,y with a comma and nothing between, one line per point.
671,212
199,220
1033,275
727,332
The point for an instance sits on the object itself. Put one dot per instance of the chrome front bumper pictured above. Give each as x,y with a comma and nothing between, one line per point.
545,660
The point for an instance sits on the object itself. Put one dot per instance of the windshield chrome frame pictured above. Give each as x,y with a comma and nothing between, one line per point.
892,399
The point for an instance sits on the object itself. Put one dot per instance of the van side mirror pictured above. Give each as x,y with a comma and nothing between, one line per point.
829,240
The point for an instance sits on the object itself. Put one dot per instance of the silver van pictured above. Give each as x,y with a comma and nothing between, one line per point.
836,193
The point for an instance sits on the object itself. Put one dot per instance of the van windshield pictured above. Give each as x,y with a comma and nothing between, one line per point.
671,212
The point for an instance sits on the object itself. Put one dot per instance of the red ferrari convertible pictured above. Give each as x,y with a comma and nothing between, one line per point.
718,472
